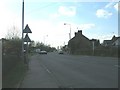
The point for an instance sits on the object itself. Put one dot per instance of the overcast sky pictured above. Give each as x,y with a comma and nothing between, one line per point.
98,20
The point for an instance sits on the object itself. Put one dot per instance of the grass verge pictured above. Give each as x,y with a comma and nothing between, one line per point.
13,78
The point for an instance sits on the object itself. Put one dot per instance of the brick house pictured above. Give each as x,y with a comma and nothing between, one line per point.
81,44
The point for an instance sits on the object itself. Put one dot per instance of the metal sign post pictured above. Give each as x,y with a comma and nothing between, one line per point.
26,39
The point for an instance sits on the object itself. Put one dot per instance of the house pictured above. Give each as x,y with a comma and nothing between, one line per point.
79,43
96,42
107,43
115,41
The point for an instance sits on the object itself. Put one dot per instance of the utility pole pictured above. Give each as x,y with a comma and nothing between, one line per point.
22,30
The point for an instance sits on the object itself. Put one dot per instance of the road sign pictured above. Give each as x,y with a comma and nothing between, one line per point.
27,29
27,39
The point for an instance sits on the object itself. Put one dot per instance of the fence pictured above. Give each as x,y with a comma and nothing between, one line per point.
99,51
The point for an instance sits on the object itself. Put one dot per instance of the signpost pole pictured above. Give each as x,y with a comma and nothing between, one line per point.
27,40
27,52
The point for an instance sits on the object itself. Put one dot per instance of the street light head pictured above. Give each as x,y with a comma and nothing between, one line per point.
64,23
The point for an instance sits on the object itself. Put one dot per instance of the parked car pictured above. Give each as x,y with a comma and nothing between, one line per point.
43,52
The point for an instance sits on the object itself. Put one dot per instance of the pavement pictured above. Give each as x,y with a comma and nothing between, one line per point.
37,76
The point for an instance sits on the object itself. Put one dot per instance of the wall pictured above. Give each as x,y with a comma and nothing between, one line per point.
0,64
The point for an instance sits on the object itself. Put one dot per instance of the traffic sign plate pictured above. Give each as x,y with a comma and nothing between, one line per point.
27,29
27,39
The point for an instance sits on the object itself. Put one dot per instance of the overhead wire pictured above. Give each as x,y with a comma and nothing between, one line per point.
43,7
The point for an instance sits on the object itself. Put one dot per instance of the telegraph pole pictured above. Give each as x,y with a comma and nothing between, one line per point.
22,30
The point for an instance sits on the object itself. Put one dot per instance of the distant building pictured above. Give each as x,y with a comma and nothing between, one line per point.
96,42
79,43
115,41
107,43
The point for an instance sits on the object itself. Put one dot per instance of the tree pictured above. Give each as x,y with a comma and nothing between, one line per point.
13,33
42,46
13,44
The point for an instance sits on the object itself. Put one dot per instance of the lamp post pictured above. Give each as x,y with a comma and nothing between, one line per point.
44,39
70,29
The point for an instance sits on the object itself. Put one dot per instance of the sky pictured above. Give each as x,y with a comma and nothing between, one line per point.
97,19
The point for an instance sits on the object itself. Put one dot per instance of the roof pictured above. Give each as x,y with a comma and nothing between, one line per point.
107,42
78,35
3,39
114,39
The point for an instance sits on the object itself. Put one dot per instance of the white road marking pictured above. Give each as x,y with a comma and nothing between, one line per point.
117,66
48,71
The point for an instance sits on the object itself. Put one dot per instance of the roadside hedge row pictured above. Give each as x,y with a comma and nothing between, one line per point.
12,64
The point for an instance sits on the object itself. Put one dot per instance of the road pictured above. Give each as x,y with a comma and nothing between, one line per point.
71,71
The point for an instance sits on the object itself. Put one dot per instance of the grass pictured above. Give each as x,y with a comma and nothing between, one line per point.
12,79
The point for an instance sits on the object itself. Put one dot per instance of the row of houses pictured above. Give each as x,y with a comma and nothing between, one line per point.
80,43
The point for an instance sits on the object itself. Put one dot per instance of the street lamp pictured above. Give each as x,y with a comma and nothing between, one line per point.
70,29
44,39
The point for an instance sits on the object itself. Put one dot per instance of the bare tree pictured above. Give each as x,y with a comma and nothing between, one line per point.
13,33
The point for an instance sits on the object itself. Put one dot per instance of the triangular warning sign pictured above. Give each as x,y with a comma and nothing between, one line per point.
27,39
27,29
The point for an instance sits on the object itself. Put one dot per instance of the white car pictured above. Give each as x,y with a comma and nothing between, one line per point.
60,52
43,52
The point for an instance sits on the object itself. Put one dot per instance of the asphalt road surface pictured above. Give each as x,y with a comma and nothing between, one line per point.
71,71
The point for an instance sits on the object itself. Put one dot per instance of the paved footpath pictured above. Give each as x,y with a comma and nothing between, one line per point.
37,76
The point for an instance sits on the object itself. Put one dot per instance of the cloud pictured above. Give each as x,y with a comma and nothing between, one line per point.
64,11
116,6
55,31
111,4
54,15
8,18
67,11
101,13
86,26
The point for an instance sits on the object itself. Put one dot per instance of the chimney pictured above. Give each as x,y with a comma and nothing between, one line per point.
80,32
75,33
